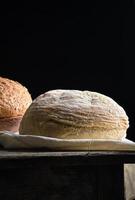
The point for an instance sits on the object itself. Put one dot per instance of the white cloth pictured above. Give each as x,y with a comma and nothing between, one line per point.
129,181
10,140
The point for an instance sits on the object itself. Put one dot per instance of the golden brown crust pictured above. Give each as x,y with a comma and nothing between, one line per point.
14,98
10,124
75,114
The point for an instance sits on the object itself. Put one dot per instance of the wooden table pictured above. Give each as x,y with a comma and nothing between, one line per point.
95,175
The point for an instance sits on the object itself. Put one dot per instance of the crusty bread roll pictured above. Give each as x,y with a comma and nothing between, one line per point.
14,100
74,114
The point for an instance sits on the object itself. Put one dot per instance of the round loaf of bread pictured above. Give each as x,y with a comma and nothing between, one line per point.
74,114
14,100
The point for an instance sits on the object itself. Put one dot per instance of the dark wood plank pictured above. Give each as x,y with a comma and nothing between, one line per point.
53,181
95,157
110,180
49,183
32,175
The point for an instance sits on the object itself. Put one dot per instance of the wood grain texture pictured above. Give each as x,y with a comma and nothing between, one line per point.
100,157
32,175
48,182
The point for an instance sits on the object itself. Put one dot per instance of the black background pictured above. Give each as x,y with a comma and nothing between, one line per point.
72,46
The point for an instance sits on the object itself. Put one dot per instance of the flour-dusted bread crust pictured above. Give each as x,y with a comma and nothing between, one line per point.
74,114
14,100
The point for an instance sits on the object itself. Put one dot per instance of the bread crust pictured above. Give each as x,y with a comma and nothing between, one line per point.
14,98
10,124
75,114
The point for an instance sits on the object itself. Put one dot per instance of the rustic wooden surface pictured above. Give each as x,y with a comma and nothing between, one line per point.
106,157
42,175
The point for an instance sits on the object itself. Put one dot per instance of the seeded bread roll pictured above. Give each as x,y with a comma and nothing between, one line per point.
14,100
74,114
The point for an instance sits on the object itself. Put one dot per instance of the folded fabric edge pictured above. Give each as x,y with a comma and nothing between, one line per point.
16,134
14,140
